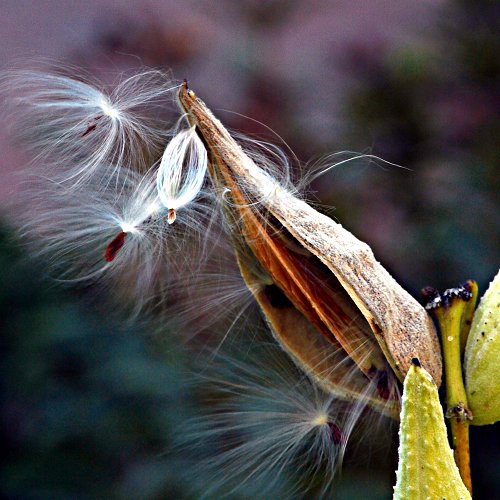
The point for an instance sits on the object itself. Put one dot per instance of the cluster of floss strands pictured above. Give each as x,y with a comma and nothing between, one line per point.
119,196
108,176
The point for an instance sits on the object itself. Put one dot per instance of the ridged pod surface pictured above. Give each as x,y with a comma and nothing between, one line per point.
399,324
426,467
482,371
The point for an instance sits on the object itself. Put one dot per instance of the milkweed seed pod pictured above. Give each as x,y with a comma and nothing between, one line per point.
482,371
426,467
314,264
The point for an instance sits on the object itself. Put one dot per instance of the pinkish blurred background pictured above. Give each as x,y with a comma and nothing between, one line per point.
262,59
392,78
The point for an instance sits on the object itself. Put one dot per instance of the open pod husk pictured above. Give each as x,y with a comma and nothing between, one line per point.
330,281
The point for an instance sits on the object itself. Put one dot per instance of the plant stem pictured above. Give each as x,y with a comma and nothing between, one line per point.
460,439
470,309
449,316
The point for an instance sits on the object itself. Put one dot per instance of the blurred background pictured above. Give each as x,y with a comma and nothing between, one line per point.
89,406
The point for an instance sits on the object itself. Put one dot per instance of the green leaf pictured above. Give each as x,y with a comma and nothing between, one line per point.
482,370
426,466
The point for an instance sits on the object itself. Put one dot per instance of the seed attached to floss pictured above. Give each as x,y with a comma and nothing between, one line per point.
92,125
172,215
179,180
182,171
77,125
272,421
115,246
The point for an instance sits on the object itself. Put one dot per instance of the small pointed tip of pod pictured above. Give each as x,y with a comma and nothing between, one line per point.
416,362
185,88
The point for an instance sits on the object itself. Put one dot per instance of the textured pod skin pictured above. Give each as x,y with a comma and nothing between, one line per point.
481,362
426,467
399,323
312,352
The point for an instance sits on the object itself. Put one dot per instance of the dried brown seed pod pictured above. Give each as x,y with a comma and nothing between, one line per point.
332,280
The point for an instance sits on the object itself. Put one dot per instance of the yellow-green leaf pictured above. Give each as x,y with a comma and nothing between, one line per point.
482,369
426,467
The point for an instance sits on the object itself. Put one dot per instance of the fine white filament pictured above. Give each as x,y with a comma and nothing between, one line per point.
75,126
101,205
182,171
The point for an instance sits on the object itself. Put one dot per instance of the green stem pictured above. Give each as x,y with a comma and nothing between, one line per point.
470,309
450,317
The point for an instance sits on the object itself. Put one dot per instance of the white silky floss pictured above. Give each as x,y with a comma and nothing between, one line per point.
181,172
78,127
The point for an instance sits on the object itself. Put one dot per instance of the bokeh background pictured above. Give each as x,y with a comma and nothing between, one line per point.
88,405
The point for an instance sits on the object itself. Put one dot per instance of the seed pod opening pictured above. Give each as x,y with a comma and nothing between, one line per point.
399,324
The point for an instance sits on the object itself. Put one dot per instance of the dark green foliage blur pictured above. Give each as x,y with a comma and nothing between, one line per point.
88,409
92,409
433,108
